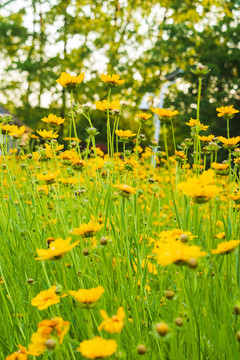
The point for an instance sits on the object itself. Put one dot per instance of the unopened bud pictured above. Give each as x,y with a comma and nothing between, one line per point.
162,328
179,321
141,350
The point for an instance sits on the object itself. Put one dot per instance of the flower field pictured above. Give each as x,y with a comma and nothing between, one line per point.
133,253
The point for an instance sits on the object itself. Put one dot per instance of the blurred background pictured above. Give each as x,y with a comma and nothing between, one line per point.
143,41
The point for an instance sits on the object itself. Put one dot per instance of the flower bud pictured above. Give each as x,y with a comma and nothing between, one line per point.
179,321
162,328
51,344
169,294
192,263
141,350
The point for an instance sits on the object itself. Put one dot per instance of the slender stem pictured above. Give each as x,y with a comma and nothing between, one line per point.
173,135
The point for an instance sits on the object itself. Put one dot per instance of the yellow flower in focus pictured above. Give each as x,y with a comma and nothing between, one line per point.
226,111
207,138
53,120
165,113
21,354
114,324
226,247
69,81
48,135
124,133
50,333
106,105
87,230
97,348
46,298
229,143
112,80
57,249
143,117
88,296
195,123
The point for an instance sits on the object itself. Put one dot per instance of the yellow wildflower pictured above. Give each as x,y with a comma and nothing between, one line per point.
88,296
48,135
125,190
195,123
46,298
53,120
106,105
226,111
125,133
226,247
21,354
114,324
97,348
49,177
87,230
164,113
50,333
69,81
57,249
112,80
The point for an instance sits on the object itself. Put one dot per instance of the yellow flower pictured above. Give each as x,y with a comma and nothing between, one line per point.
106,105
46,298
78,164
87,230
235,197
43,189
53,120
227,111
125,190
200,189
180,156
143,117
49,178
125,133
88,296
69,181
69,81
48,135
50,333
57,249
177,253
21,354
195,123
229,143
164,113
206,138
97,348
112,80
114,324
6,127
220,169
16,132
226,247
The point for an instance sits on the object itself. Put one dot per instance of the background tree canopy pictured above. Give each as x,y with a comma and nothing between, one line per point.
140,40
